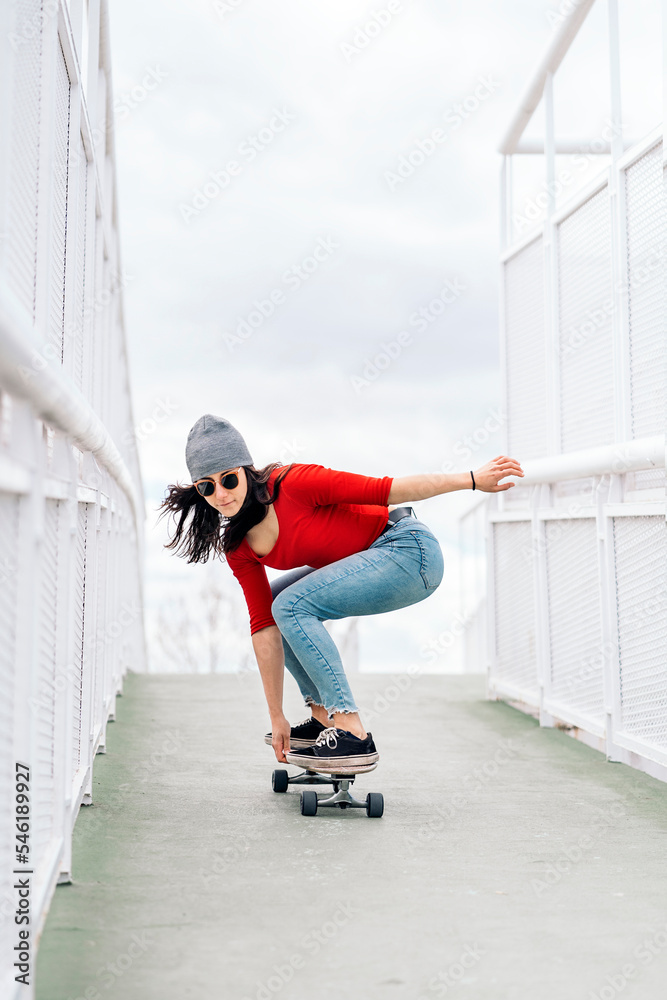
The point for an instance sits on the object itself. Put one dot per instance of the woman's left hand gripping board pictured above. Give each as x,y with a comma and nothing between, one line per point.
280,729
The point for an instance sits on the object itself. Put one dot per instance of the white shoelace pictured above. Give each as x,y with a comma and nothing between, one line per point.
329,737
305,722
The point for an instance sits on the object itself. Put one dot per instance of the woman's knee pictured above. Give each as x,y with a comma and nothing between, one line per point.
280,609
283,609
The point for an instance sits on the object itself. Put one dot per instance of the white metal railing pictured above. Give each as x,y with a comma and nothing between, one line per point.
577,596
568,602
71,512
548,65
590,469
627,456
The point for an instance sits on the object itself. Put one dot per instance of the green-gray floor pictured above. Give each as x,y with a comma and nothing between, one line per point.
542,876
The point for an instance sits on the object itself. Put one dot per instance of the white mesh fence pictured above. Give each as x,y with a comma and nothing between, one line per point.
525,360
646,307
585,325
514,608
25,161
645,225
577,649
640,553
71,620
576,588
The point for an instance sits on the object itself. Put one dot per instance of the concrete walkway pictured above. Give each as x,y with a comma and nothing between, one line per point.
514,864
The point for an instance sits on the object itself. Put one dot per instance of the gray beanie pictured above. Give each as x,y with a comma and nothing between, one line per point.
214,446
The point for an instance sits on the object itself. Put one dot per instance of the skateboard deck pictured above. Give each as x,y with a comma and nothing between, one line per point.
342,770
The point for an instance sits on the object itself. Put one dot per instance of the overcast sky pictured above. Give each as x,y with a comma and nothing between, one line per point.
280,236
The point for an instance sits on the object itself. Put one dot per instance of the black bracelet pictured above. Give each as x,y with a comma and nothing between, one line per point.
474,486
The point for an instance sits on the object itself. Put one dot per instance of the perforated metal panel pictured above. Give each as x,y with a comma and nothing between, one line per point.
525,352
102,345
646,479
104,633
578,654
78,326
59,186
96,321
645,236
640,550
585,327
573,494
24,185
79,611
55,265
9,525
518,498
44,709
514,606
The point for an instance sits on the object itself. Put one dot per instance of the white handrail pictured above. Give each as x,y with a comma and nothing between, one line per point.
25,372
626,456
549,63
568,146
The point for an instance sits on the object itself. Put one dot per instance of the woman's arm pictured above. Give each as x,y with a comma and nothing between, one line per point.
432,484
268,646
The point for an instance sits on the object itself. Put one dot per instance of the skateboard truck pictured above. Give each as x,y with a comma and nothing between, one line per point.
341,796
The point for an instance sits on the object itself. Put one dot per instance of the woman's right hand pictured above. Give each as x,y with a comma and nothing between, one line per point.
280,734
488,476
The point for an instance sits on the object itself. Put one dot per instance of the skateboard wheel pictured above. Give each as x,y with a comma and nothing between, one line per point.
374,804
280,781
308,803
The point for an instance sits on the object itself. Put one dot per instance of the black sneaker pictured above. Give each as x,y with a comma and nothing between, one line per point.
304,734
337,752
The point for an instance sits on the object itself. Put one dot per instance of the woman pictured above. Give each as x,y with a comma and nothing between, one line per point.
354,557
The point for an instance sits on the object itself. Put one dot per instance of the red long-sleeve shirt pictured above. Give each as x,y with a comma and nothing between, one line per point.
323,515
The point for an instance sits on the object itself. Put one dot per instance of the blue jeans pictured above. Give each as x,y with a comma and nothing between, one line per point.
401,567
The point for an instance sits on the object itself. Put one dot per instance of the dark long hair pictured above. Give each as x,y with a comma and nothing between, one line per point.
201,529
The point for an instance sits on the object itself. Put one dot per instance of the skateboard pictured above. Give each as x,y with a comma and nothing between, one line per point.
341,796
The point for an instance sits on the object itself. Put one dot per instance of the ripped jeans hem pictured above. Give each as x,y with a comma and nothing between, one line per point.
340,711
310,701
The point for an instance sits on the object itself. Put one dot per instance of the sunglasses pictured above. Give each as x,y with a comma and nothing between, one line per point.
205,487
